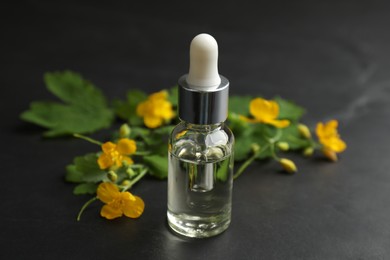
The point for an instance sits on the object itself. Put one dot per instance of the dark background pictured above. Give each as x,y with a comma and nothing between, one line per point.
332,57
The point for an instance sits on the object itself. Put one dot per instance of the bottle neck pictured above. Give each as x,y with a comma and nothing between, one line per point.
203,128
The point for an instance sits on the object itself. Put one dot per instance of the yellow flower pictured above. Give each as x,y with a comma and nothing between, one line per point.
329,137
119,203
156,109
265,111
115,154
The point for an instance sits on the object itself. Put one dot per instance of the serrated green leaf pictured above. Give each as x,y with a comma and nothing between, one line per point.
158,165
127,110
84,109
73,175
289,110
239,104
85,169
85,188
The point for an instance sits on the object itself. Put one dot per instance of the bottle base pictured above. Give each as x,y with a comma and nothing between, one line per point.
198,227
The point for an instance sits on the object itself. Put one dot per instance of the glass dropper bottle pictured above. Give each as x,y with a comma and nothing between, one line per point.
200,173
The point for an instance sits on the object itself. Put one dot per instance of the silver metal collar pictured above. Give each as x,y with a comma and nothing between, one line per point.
203,107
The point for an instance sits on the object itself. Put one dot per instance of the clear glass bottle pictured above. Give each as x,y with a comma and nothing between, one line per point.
200,172
200,179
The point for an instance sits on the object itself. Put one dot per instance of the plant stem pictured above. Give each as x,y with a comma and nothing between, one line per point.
248,162
276,137
86,204
88,139
134,166
136,179
273,154
142,153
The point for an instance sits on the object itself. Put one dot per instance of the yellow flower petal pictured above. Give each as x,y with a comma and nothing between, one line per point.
110,212
104,161
128,160
167,113
141,109
278,123
336,144
133,208
153,122
159,95
126,146
263,109
108,147
107,192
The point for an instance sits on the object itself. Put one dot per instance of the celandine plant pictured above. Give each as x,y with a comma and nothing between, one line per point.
263,129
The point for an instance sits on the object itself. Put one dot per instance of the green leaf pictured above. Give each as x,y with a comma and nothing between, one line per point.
85,188
139,132
237,125
158,165
173,96
85,169
262,135
73,175
127,110
164,130
289,110
239,104
253,134
154,137
242,147
292,136
84,109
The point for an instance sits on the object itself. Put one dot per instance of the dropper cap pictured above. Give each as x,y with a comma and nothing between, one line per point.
203,93
203,73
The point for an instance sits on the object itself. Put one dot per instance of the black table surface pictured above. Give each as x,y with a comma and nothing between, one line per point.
332,57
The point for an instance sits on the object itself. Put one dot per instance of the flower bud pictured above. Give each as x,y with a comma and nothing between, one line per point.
331,155
288,165
130,172
255,147
124,131
304,131
125,183
308,151
112,176
284,146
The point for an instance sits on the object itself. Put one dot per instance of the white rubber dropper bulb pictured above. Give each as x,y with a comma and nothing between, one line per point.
203,74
